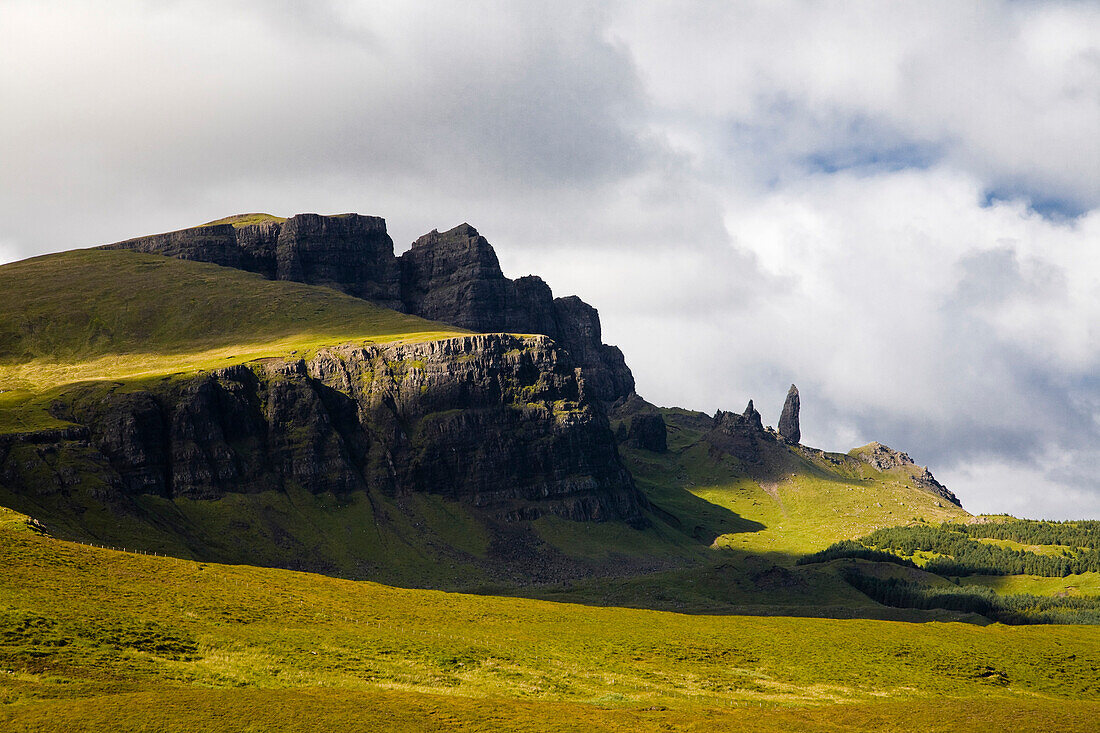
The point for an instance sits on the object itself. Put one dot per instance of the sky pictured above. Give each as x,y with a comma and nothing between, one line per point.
895,206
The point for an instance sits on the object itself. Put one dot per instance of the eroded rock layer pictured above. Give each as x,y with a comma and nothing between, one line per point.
497,421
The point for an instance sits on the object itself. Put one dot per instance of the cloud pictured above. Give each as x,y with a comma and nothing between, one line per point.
894,205
1006,91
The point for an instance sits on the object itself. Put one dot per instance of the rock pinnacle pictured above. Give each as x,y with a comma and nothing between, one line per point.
788,420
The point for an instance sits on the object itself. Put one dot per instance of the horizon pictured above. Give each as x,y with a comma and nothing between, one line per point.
894,207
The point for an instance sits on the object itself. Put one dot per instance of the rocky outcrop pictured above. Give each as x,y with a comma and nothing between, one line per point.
216,243
351,253
496,421
788,419
740,435
648,432
884,458
453,277
348,252
753,417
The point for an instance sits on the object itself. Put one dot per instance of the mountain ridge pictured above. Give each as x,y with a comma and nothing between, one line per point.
115,429
453,276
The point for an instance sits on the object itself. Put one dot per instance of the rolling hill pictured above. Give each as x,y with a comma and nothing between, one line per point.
179,433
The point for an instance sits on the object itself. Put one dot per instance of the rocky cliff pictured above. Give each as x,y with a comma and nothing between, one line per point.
499,422
453,277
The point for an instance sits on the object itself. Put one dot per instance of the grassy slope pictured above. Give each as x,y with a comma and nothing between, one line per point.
799,500
89,637
244,220
1085,584
97,314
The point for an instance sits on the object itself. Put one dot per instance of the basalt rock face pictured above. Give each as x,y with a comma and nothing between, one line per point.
453,277
885,458
213,243
753,417
349,252
496,421
788,420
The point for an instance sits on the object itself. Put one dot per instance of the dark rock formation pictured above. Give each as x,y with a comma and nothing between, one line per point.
788,420
215,243
453,277
753,417
497,421
606,375
648,431
350,252
885,458
741,436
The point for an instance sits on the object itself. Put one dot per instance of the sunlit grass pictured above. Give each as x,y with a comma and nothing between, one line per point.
82,626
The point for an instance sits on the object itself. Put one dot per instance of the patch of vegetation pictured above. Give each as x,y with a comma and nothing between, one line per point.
244,220
1078,533
955,553
1007,609
853,550
206,647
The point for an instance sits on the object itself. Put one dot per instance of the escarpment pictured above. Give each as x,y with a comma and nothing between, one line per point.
496,421
453,277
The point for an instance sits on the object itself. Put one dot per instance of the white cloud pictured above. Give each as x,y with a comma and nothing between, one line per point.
752,193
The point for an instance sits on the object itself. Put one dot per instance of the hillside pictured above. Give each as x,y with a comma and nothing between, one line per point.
207,412
178,435
167,644
797,499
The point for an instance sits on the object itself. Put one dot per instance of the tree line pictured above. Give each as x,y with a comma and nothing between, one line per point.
1081,533
1007,609
959,553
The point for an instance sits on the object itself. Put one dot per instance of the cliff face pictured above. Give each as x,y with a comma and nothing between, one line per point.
453,277
496,421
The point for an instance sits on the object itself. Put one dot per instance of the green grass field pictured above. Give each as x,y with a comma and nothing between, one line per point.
90,637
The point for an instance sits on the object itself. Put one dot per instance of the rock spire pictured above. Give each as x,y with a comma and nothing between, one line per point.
788,420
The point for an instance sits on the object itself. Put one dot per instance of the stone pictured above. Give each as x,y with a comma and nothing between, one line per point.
648,432
788,419
348,252
753,417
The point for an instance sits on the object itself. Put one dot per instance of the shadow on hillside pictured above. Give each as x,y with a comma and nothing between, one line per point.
667,566
737,583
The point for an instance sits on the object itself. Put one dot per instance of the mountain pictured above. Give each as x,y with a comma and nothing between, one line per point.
453,277
185,418
270,391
